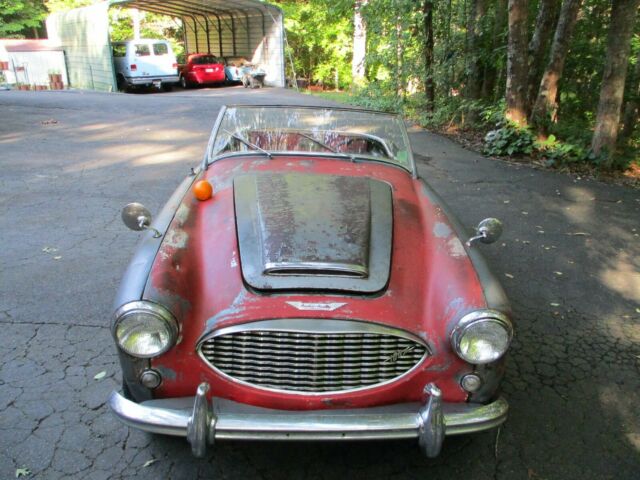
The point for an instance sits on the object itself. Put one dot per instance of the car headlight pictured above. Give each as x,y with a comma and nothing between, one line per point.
482,336
144,329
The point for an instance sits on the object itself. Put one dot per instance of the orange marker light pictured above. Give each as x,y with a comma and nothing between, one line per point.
203,190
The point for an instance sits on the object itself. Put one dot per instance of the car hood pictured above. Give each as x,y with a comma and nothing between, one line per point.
200,270
321,232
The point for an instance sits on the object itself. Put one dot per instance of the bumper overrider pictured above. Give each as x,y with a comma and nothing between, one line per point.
203,422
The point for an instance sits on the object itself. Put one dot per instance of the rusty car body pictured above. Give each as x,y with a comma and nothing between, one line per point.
323,291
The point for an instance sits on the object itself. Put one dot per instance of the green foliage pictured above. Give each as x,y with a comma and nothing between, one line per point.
509,140
19,17
319,34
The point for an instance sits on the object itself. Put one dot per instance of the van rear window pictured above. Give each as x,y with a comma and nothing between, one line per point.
142,50
160,49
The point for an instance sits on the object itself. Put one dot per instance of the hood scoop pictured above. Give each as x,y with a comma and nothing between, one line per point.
319,232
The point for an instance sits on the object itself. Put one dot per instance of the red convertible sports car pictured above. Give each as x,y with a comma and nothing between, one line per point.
202,69
304,283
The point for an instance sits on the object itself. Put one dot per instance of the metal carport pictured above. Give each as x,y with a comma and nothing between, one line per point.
239,28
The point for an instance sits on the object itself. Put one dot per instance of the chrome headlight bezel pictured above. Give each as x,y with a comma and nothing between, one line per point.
152,309
473,319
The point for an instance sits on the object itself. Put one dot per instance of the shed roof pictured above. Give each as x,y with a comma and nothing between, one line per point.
22,45
200,7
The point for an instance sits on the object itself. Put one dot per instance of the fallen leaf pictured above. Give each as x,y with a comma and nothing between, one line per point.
148,463
100,376
558,273
57,257
525,213
508,275
51,121
540,231
526,241
506,201
579,234
22,472
49,249
554,304
637,310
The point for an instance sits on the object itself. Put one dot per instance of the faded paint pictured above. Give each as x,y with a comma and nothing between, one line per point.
441,230
167,373
456,248
429,288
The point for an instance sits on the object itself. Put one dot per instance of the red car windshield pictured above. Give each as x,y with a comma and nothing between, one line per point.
204,60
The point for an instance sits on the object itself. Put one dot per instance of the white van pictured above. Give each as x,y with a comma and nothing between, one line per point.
145,62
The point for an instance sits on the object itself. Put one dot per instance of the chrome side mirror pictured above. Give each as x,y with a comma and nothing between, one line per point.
488,231
136,217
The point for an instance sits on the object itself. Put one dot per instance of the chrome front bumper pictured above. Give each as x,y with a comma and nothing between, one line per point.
202,423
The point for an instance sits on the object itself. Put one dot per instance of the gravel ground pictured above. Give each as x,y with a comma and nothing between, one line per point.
569,260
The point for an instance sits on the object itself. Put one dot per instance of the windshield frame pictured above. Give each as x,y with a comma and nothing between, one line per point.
210,158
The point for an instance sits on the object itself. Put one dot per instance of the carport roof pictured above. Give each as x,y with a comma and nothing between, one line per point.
199,7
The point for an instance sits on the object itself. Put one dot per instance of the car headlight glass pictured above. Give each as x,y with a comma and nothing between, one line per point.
144,329
482,336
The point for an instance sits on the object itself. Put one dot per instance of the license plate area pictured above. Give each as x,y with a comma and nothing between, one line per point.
209,70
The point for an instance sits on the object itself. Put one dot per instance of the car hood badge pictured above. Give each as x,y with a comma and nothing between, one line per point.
324,307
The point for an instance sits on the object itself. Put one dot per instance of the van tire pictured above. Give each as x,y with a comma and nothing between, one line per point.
183,82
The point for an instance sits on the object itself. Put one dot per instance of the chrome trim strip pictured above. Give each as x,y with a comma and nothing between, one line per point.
315,269
320,326
235,421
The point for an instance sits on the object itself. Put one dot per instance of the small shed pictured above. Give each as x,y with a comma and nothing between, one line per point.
227,28
31,61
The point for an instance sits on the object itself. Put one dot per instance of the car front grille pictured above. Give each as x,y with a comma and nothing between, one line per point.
313,359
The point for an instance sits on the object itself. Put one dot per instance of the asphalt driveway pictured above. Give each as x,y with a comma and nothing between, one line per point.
569,260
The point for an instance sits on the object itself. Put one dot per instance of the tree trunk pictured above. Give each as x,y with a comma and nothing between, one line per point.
427,12
359,43
490,76
546,105
623,15
474,35
516,91
546,19
632,107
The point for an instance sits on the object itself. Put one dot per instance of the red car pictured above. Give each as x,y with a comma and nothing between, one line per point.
304,283
202,69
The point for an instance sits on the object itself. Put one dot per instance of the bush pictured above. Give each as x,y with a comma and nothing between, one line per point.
509,139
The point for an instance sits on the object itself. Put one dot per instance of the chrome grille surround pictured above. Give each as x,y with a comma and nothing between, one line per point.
312,356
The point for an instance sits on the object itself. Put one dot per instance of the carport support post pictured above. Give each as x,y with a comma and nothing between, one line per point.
233,34
220,36
206,19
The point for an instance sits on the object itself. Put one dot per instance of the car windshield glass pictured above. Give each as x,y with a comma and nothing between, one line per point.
348,134
205,60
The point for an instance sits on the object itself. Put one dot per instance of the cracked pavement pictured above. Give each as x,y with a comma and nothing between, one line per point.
569,260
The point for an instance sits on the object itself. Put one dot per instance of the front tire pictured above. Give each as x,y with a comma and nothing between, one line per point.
183,82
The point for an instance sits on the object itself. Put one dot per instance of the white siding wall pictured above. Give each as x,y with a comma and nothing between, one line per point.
83,33
33,68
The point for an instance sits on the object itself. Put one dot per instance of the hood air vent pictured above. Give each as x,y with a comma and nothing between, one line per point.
302,231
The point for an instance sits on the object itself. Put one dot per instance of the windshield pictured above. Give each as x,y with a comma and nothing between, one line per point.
349,134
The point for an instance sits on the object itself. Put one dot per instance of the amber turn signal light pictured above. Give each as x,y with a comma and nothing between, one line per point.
203,190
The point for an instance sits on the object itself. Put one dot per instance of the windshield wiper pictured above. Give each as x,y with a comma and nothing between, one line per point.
324,145
247,143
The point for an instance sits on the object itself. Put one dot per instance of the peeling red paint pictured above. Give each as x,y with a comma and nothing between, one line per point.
198,278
